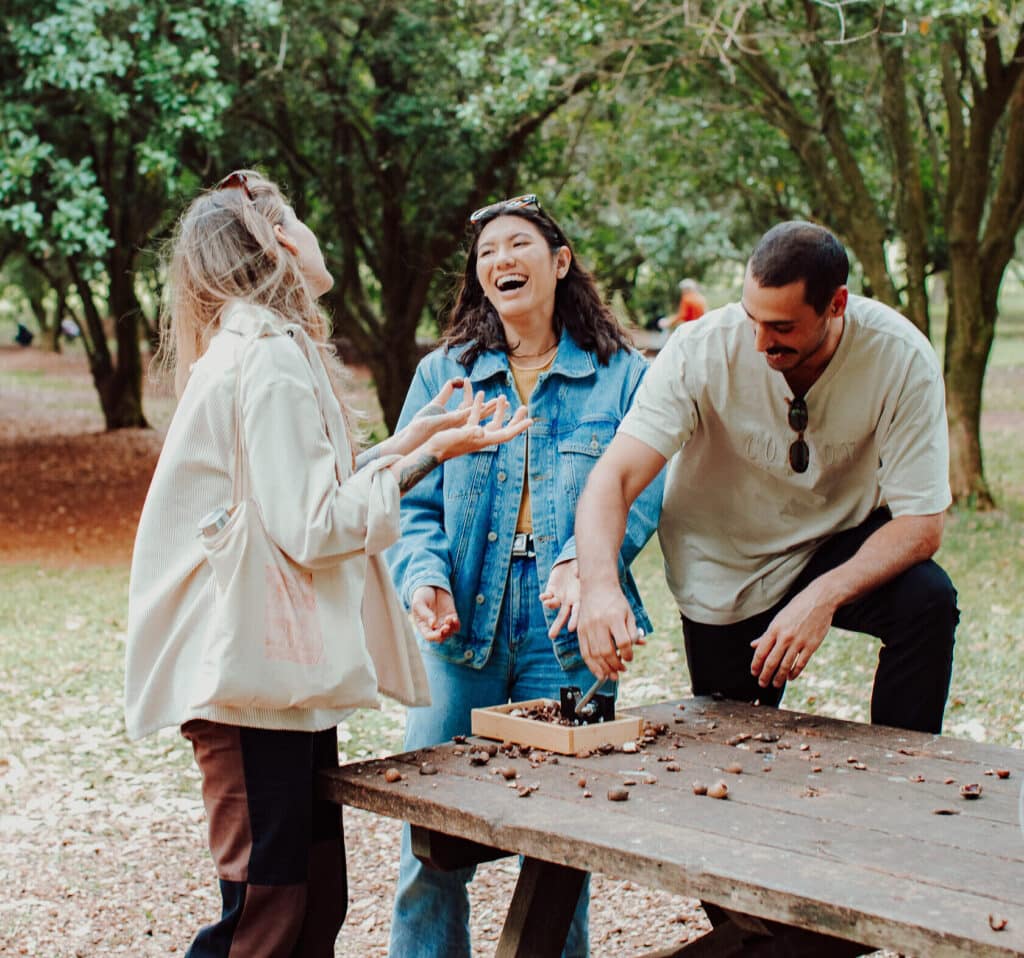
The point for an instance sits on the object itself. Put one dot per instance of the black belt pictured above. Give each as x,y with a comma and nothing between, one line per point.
522,546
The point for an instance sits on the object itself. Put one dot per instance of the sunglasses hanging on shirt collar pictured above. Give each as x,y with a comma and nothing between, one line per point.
799,452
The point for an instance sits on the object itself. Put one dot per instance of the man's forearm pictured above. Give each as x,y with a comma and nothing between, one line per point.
627,468
892,549
600,527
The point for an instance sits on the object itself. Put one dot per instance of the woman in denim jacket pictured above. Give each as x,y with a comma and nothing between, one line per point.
483,534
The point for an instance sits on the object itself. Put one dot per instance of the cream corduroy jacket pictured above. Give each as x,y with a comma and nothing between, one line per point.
335,525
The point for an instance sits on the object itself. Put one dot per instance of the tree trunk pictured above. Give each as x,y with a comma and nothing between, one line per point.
50,331
911,211
969,334
852,210
121,395
119,386
980,239
393,370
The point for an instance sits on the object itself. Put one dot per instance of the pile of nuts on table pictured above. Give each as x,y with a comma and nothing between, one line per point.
479,754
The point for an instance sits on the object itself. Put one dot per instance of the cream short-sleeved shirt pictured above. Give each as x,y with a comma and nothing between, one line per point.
738,524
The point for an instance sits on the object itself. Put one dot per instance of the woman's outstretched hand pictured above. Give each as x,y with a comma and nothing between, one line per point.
454,441
563,593
475,435
435,416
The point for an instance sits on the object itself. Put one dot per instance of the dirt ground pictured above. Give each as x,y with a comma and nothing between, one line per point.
96,875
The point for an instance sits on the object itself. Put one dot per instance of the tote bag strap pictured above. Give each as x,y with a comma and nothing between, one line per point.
241,483
330,412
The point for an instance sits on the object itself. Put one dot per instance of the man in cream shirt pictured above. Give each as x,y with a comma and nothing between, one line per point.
807,434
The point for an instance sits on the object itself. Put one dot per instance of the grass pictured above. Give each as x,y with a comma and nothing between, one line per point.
62,632
61,669
35,378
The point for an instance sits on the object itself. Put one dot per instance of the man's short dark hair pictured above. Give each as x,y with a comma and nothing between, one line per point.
795,251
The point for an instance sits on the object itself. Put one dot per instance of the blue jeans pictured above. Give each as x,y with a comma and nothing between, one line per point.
431,914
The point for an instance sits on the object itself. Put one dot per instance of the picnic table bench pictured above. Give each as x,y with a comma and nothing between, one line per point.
853,832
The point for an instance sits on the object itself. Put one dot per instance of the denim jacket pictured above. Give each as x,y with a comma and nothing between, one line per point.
458,522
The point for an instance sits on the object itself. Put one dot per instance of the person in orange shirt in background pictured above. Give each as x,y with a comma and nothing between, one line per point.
692,305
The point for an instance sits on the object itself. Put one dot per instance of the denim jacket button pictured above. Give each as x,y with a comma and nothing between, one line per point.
501,477
468,655
480,599
492,536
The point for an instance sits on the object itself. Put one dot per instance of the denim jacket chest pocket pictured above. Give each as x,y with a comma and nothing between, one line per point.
579,450
465,477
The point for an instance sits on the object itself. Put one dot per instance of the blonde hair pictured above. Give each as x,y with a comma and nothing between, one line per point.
224,248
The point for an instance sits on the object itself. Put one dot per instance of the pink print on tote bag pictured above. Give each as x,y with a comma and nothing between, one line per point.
292,627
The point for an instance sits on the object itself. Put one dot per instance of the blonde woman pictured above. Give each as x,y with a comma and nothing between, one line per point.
244,276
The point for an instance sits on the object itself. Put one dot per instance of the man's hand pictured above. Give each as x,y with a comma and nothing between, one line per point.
796,632
433,611
606,627
563,593
607,632
794,635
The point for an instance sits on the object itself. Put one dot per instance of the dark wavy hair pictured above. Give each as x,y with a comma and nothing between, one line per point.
797,250
578,305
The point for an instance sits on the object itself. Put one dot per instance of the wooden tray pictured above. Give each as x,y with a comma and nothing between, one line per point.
495,722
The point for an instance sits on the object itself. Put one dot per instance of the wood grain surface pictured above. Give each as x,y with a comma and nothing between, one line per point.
829,826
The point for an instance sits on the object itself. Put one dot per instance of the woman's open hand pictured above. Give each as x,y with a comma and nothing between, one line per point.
433,611
472,436
435,416
459,440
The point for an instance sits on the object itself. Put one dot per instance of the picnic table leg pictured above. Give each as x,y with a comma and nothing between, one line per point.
541,911
734,934
448,852
762,938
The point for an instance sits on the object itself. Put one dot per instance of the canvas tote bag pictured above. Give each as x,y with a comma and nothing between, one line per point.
265,648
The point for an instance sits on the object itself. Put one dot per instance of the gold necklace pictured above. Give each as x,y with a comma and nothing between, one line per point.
533,369
535,355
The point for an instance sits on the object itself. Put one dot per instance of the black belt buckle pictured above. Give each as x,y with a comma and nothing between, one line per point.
522,546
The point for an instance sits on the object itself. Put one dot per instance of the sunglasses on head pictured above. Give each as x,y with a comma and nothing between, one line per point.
528,201
799,453
236,181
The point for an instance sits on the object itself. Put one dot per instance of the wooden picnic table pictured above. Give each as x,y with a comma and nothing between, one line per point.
831,828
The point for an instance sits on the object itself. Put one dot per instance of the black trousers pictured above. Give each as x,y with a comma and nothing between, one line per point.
915,615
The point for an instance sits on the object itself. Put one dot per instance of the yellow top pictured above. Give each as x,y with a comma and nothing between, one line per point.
525,380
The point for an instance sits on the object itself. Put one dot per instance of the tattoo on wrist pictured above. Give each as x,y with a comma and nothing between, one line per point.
413,473
368,455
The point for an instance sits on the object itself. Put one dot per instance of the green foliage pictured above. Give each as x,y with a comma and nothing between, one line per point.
55,205
97,114
647,129
391,123
110,109
623,172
